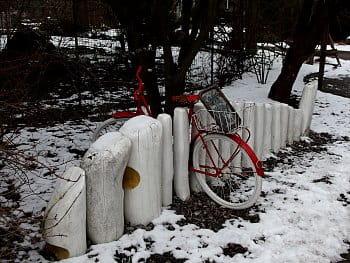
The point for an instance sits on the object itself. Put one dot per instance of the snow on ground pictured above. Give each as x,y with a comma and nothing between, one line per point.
341,47
108,45
3,41
303,220
53,147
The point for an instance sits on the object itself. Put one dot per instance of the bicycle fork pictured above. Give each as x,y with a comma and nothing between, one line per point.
219,171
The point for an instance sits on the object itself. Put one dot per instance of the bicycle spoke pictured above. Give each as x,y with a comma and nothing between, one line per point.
236,183
225,163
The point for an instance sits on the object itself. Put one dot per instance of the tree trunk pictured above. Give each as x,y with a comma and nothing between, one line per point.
308,33
175,86
251,25
156,26
322,62
145,57
81,14
203,19
147,60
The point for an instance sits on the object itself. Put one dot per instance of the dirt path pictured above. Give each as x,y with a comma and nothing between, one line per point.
340,86
344,54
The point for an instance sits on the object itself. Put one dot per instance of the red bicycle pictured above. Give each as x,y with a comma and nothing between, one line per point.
118,118
225,166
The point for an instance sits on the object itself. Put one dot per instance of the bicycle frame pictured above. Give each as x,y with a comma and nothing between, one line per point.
235,137
139,97
189,101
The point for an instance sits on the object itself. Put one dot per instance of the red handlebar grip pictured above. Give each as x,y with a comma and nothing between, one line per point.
185,98
138,72
192,98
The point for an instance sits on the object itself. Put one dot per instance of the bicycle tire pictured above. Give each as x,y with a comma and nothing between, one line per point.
240,173
109,125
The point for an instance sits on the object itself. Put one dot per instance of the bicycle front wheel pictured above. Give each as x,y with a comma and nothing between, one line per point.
225,171
109,125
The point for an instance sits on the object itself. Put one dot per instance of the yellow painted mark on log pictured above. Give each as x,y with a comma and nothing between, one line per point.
131,178
58,252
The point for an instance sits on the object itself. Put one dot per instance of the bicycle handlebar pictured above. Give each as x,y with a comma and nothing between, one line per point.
181,100
185,100
141,85
138,72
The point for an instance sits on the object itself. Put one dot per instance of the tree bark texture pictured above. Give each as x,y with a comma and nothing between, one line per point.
138,18
308,33
154,23
81,14
204,15
251,26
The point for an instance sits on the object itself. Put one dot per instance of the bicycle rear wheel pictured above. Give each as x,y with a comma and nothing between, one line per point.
238,184
109,125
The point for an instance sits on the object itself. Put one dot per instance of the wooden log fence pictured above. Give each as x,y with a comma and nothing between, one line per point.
146,157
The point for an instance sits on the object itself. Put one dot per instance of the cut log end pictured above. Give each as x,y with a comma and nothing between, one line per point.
131,178
58,252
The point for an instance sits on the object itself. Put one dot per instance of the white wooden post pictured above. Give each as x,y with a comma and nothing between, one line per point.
104,164
259,129
298,118
167,159
181,153
284,124
306,104
276,127
290,125
238,106
143,201
65,216
194,184
267,147
249,121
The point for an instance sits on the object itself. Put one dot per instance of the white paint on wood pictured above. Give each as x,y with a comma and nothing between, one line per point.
276,127
167,159
298,118
306,104
65,214
194,184
267,145
181,153
249,122
143,203
284,124
238,106
259,129
104,164
290,125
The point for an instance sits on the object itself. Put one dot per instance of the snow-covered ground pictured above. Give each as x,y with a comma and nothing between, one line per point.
341,47
93,41
3,41
108,45
304,219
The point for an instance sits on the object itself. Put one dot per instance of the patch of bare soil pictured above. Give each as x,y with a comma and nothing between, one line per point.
338,86
205,213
